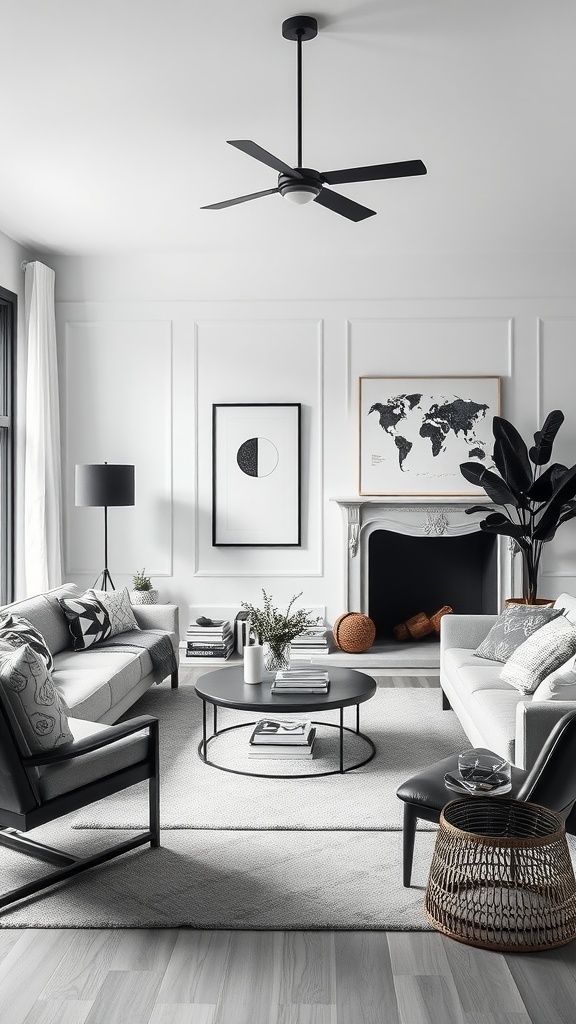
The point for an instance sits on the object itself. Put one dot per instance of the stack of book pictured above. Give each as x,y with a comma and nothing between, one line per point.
215,641
311,641
301,680
283,737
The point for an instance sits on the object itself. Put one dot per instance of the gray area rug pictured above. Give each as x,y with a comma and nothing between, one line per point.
407,726
218,879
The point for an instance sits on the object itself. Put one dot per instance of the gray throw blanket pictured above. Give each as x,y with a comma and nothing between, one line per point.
155,641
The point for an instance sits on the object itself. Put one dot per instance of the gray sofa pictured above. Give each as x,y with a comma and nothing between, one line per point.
493,713
97,685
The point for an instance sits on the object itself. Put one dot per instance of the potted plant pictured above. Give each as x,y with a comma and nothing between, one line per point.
142,590
276,629
533,502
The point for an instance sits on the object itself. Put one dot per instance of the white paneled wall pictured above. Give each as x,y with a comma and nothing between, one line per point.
140,379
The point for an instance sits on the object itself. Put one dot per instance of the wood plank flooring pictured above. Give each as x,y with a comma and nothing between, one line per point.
182,976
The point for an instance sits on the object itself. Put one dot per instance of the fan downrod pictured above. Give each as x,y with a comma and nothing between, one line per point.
303,27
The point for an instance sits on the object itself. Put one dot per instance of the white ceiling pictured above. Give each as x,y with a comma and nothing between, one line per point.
115,116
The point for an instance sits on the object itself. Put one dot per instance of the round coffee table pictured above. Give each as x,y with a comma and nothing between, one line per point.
226,688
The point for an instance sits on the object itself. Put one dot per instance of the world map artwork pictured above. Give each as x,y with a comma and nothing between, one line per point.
413,420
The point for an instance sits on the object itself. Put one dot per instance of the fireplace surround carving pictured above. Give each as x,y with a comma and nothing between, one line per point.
437,518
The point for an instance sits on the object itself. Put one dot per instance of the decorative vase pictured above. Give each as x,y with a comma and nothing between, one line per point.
276,657
538,602
143,597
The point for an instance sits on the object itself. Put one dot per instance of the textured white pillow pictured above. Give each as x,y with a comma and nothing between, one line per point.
117,604
542,653
559,685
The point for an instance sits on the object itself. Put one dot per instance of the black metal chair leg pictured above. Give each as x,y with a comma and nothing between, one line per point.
154,788
174,680
408,837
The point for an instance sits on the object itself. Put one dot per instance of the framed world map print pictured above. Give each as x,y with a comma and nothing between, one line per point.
256,475
415,432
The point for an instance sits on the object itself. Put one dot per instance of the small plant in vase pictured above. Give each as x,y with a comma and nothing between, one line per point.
276,629
142,590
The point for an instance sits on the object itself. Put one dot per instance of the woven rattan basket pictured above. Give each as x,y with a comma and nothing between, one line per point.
501,876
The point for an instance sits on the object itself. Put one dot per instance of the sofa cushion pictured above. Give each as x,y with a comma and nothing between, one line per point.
512,628
87,619
470,674
117,604
62,778
46,615
542,653
33,705
15,631
92,681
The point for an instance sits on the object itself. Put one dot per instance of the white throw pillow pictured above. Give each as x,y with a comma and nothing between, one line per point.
542,653
559,685
117,604
568,605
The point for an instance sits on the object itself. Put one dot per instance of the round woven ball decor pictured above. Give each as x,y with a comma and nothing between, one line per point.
353,632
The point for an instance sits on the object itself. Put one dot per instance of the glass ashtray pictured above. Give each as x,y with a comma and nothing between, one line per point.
480,773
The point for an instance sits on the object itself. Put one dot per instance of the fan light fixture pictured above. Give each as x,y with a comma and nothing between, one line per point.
301,185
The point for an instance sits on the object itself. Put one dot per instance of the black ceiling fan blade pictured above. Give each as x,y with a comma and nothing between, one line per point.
240,199
342,205
251,149
401,169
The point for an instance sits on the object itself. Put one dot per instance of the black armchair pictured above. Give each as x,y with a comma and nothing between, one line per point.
551,783
103,761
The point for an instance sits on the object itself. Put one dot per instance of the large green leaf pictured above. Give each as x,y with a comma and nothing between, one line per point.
544,485
496,488
541,453
511,457
506,529
477,508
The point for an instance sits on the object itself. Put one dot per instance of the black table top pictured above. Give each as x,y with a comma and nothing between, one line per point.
226,687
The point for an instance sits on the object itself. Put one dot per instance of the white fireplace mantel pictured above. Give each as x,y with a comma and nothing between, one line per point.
416,517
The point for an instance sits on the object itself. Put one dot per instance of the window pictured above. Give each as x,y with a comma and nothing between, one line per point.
7,360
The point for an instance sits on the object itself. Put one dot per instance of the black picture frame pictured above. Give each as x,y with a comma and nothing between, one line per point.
256,474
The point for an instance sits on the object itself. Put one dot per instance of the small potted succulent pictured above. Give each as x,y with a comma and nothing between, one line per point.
142,590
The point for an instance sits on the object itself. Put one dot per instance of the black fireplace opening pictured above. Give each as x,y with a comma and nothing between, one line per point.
408,575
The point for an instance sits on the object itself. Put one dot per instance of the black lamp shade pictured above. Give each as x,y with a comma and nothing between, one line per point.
104,485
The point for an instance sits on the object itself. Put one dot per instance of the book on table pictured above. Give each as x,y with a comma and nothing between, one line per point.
294,752
277,731
282,749
301,681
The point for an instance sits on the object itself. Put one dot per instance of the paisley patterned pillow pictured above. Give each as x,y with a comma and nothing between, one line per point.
35,709
512,628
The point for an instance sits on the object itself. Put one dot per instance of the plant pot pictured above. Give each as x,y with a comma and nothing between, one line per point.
143,597
540,602
276,658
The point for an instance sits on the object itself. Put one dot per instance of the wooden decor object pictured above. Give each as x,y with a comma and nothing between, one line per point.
419,625
435,619
353,632
401,633
501,876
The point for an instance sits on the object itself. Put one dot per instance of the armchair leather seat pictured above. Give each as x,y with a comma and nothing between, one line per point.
62,778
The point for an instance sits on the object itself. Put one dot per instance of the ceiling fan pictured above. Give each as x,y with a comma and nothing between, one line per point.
303,184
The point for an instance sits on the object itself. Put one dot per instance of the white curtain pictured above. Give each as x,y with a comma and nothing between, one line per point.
42,473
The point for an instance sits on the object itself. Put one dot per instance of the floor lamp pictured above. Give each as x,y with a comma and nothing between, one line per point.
104,485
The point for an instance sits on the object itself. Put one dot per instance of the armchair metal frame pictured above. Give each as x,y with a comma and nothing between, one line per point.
28,812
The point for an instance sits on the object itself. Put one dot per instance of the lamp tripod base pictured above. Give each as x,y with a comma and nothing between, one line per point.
101,583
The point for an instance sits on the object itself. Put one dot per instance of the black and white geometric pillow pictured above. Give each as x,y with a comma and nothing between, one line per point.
15,631
117,604
88,620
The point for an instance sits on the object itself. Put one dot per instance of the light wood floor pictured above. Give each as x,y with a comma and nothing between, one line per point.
182,976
